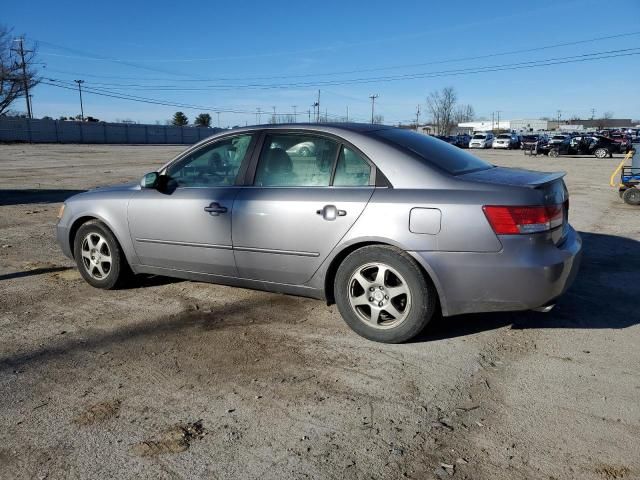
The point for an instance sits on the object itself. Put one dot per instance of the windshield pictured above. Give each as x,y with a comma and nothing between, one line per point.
439,154
479,137
531,138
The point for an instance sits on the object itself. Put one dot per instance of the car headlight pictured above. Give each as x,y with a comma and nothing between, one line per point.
61,211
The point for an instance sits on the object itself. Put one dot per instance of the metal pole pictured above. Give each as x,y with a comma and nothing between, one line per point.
295,114
80,82
373,102
21,52
318,114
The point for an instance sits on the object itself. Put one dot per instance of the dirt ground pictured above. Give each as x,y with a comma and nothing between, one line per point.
175,379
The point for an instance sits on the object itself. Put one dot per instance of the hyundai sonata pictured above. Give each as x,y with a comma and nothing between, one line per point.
391,225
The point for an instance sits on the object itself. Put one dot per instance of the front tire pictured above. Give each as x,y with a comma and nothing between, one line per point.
601,153
99,256
383,295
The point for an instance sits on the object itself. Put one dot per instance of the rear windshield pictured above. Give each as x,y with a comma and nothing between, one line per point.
502,135
480,136
531,138
440,154
558,137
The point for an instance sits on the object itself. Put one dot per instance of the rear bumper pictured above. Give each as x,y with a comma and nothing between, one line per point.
529,272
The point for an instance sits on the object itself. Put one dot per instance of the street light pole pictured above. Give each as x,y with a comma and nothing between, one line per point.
80,82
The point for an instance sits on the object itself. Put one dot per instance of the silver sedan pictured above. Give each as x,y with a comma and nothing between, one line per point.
391,225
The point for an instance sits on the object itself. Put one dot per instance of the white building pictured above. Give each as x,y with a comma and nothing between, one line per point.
519,125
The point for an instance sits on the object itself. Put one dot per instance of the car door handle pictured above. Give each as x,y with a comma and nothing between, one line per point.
331,212
215,209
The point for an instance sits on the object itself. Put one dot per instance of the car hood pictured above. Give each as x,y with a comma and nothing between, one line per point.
108,191
512,176
117,188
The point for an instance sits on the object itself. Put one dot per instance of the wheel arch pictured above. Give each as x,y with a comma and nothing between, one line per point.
332,270
82,219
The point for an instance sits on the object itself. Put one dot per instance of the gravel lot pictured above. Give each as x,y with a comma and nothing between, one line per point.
174,379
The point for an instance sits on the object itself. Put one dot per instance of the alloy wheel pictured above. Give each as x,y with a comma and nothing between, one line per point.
379,295
96,256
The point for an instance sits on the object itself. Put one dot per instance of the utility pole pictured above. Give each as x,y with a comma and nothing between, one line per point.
559,115
295,113
80,82
259,116
318,105
309,113
21,51
498,113
347,113
593,113
493,121
373,102
417,117
218,119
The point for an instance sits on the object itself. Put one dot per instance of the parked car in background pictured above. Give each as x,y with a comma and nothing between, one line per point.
557,145
507,141
535,143
303,149
416,226
597,145
481,140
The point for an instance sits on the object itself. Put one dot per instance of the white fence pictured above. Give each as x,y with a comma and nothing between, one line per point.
62,131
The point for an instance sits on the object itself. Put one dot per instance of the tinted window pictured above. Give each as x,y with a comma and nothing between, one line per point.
502,135
440,154
479,137
351,170
216,164
289,160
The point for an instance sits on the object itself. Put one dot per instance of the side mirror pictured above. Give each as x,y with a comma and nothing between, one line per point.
150,180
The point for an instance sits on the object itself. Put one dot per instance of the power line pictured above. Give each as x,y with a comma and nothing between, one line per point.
409,76
344,72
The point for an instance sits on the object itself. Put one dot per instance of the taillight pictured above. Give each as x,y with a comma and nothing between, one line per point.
514,220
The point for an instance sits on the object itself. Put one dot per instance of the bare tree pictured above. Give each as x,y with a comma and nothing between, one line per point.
378,119
441,106
463,113
603,121
13,77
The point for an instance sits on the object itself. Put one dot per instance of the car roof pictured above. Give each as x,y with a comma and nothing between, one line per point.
328,127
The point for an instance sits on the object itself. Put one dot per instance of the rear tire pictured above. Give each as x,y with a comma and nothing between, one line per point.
631,196
99,256
554,153
383,295
601,153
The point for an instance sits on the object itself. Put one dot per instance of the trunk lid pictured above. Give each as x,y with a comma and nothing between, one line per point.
550,184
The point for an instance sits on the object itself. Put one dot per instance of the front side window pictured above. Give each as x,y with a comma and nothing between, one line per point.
292,160
351,170
213,165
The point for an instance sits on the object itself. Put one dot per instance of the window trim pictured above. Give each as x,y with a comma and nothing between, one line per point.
371,183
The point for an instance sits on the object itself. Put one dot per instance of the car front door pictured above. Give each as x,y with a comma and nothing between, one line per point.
301,203
187,225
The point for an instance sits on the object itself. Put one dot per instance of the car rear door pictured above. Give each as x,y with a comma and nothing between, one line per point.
298,207
187,225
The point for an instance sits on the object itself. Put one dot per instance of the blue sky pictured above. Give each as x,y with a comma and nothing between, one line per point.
207,53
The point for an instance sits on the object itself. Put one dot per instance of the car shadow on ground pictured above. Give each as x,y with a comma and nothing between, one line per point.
603,296
35,271
35,195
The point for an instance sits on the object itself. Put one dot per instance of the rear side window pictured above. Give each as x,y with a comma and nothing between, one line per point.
351,170
289,160
440,154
